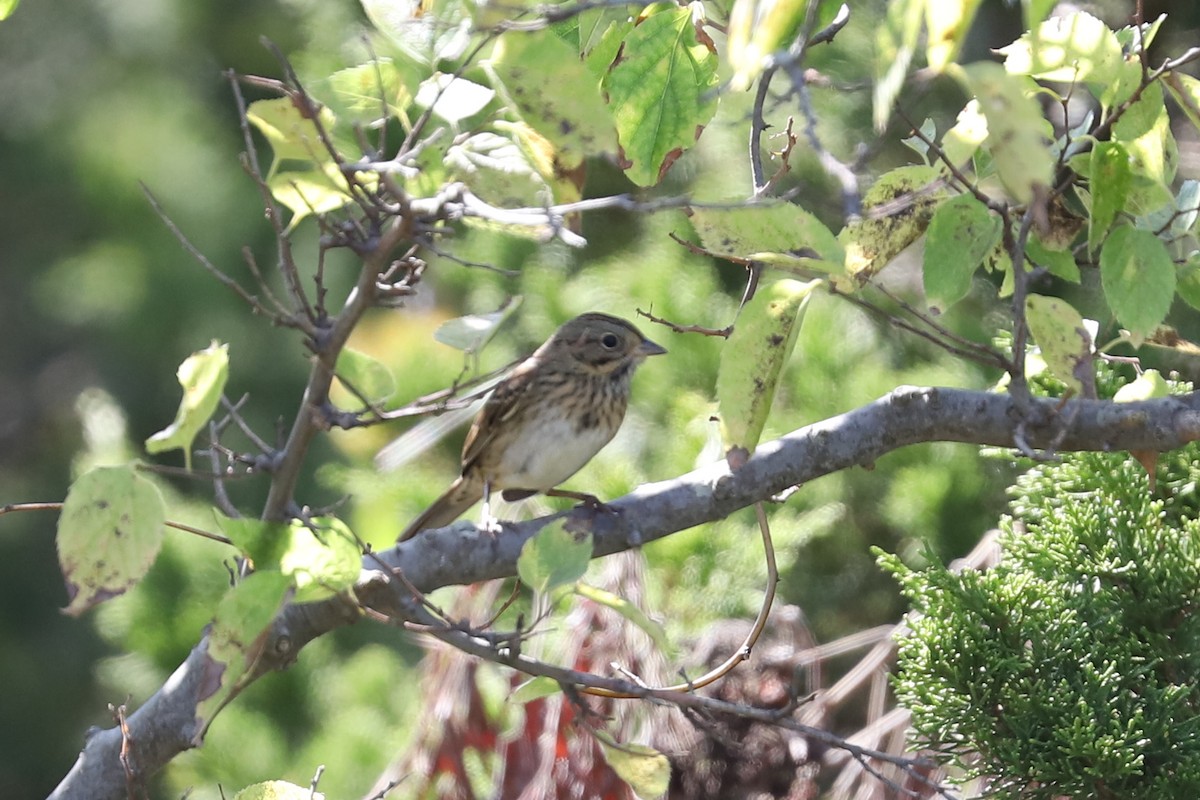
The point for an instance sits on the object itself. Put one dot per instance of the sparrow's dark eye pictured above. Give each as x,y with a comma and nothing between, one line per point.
610,340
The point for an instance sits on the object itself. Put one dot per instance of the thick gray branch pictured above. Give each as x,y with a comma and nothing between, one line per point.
460,554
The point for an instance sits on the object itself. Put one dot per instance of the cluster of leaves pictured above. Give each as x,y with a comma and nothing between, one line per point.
1070,667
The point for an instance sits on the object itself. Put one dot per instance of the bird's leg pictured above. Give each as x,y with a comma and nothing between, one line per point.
489,522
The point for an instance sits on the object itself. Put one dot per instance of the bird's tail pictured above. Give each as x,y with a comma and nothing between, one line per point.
461,495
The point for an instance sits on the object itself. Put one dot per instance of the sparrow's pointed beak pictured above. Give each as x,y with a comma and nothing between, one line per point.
649,348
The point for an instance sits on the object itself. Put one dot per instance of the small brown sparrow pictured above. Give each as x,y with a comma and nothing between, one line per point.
546,419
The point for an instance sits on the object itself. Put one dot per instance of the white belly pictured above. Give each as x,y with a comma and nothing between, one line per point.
556,453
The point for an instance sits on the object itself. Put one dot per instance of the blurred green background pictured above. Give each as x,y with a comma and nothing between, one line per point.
100,304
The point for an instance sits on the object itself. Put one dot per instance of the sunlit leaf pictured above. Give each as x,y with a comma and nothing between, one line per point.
969,131
554,557
7,7
896,211
202,376
471,332
1147,386
629,611
322,558
109,533
1067,48
534,689
453,99
278,790
371,380
758,231
647,771
555,94
236,639
947,23
1018,133
895,44
661,92
292,134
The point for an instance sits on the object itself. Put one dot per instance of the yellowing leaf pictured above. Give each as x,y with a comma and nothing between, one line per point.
1065,341
202,376
763,338
769,232
277,790
109,533
1147,386
555,94
1017,131
646,770
947,23
896,211
292,135
895,44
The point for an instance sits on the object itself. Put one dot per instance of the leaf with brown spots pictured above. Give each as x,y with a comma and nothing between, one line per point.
109,534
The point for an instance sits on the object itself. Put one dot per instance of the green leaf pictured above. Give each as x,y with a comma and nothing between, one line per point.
202,376
1110,179
1060,263
629,611
375,88
1147,386
277,790
1186,91
310,191
960,234
897,210
322,558
947,23
777,233
472,332
1068,48
895,44
7,7
292,135
1145,131
647,771
554,557
1018,133
1065,341
555,93
534,689
1138,278
235,641
109,533
762,340
661,92
1189,280
259,540
370,378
